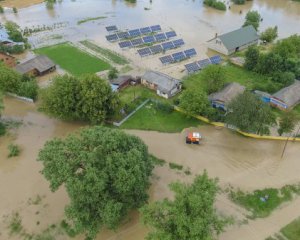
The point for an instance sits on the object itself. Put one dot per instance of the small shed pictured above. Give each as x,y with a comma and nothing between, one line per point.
288,97
234,41
164,85
265,97
122,81
222,98
7,59
36,66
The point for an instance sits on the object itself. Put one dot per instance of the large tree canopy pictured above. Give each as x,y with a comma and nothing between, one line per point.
250,114
252,18
214,76
190,216
106,174
88,98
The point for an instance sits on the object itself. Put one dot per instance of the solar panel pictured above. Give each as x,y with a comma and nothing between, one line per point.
125,44
149,39
216,59
112,37
179,56
166,59
160,37
137,42
155,28
123,35
192,67
204,63
144,52
171,34
111,28
178,42
145,30
168,45
134,33
190,52
156,49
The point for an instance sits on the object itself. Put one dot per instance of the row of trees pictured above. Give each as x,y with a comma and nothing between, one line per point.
106,173
86,98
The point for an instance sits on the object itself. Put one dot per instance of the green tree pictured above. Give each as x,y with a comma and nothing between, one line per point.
1,104
105,172
1,9
269,63
9,79
190,216
269,35
86,98
113,73
14,32
194,102
214,76
251,58
15,10
252,18
287,122
284,78
248,113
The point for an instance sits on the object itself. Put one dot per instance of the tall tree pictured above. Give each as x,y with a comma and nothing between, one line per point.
190,216
194,101
251,58
214,77
287,122
269,35
252,18
105,172
10,80
250,114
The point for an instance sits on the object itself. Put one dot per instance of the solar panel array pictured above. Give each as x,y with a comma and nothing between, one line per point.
177,57
132,33
164,47
199,65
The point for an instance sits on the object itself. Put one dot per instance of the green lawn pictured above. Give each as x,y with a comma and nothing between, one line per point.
292,231
150,118
73,60
274,198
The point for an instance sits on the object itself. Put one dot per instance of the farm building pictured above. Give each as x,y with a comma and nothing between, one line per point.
234,41
7,59
121,82
265,97
287,97
36,66
222,98
165,86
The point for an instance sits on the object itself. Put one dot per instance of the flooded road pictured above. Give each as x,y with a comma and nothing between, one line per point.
235,160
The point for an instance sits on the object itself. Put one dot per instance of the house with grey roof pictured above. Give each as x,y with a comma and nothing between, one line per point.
234,41
287,98
222,98
164,85
36,66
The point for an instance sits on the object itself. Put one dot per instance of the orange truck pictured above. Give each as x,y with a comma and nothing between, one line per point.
193,137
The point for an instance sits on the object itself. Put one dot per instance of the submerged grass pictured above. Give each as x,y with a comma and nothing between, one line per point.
90,19
292,230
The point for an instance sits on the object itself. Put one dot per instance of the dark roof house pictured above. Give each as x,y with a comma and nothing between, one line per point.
234,41
38,65
165,85
222,98
287,97
121,81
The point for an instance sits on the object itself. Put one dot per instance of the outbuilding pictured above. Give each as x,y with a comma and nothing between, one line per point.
164,85
7,59
36,66
288,97
222,98
234,41
121,81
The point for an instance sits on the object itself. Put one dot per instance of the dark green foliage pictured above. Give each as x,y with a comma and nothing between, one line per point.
214,76
15,10
113,73
1,9
28,89
14,32
86,98
287,122
215,4
194,102
283,78
2,129
252,18
163,107
190,216
15,49
248,113
106,173
252,58
14,150
269,35
157,161
239,2
175,166
292,230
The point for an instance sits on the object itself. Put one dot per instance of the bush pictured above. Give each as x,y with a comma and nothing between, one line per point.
164,107
2,129
14,150
29,89
269,35
215,4
239,2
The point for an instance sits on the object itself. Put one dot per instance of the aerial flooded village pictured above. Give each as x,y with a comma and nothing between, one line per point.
150,119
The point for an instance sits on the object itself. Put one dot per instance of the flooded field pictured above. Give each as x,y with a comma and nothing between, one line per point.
192,21
235,160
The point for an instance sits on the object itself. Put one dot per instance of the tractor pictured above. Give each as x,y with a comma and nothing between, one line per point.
193,137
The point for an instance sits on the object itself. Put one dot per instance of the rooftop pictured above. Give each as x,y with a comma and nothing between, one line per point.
40,63
289,95
164,82
228,93
121,79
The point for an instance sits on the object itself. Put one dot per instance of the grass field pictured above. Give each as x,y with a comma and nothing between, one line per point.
150,118
292,230
73,60
114,57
